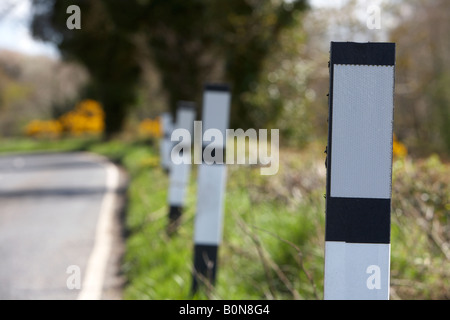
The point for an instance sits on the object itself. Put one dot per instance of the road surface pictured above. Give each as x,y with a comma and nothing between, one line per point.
60,236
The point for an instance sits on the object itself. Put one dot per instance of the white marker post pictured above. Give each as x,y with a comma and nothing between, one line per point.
359,171
180,173
166,144
211,186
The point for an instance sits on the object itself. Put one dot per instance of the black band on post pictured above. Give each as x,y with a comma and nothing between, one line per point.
375,54
358,220
217,87
175,213
205,265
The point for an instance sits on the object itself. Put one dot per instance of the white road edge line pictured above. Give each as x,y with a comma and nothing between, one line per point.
92,286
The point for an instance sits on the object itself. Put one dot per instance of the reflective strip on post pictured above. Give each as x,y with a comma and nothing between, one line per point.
359,171
180,173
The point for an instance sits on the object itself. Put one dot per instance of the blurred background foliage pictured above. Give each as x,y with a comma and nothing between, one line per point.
139,57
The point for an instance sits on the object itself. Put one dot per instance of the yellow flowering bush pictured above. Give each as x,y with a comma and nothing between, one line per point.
88,117
151,128
48,128
398,148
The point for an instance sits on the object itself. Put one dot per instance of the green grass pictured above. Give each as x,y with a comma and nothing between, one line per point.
36,145
273,237
271,249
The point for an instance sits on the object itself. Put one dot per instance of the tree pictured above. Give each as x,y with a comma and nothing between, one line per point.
190,43
198,41
251,31
108,54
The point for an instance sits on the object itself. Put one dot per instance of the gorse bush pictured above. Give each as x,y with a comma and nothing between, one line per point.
398,149
151,128
48,128
87,118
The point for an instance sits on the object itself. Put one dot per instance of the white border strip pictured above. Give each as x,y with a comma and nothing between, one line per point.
96,268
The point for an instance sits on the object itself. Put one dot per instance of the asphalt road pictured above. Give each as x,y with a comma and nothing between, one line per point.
50,207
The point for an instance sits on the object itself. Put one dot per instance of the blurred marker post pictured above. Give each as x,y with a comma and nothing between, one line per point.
359,171
166,144
211,187
180,172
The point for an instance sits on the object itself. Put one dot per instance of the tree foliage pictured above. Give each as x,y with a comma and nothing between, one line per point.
193,42
423,75
108,53
190,43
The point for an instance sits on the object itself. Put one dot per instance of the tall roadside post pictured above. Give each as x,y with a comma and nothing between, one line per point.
359,171
211,186
180,172
166,144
